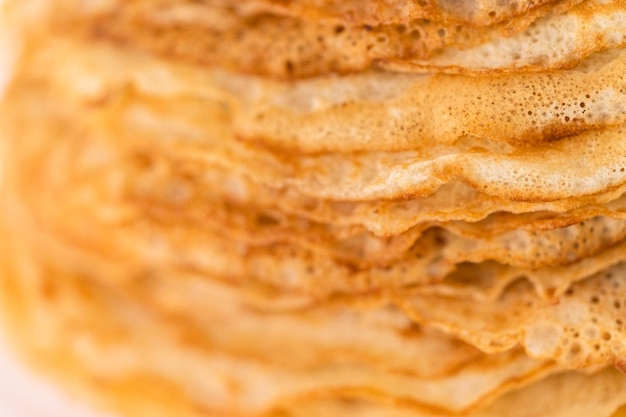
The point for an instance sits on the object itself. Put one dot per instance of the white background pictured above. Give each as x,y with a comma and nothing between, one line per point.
23,394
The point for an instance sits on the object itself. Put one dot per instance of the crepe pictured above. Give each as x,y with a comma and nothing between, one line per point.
583,329
313,208
216,35
376,12
366,112
85,319
598,395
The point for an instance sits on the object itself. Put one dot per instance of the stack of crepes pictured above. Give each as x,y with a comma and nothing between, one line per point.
305,208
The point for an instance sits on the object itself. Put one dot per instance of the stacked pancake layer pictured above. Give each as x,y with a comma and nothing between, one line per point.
318,208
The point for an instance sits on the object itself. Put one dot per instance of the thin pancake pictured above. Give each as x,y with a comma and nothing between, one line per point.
114,338
585,328
287,48
372,111
553,42
375,12
598,395
541,173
